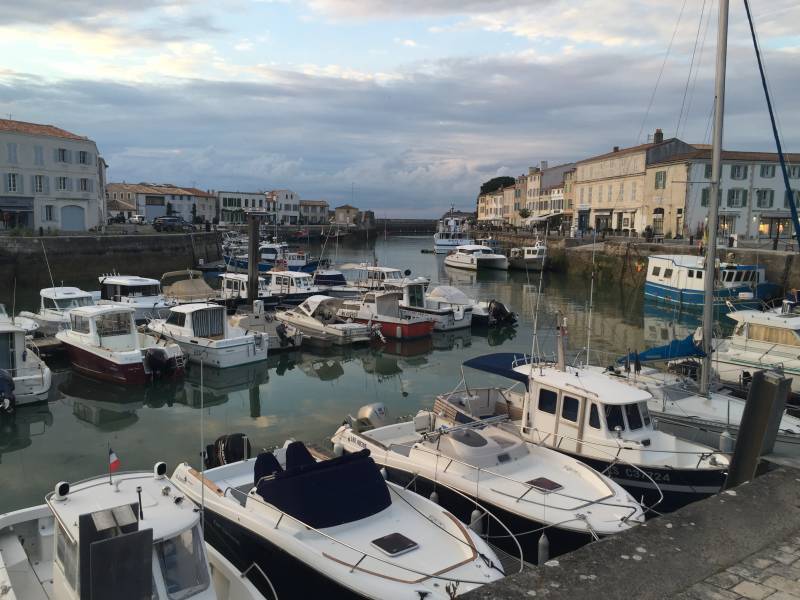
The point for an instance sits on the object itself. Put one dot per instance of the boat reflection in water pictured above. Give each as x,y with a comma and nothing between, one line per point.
662,324
18,428
459,277
495,336
107,406
452,340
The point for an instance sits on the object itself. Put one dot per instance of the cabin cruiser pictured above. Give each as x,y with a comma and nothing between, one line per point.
529,486
332,282
476,257
140,293
29,325
55,304
204,334
383,309
130,535
271,256
485,313
291,287
678,278
102,342
593,417
187,286
446,317
336,528
528,258
233,290
280,336
30,376
316,319
373,277
452,231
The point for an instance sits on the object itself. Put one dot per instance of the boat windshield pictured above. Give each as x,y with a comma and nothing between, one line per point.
113,324
140,290
628,416
416,296
183,564
70,303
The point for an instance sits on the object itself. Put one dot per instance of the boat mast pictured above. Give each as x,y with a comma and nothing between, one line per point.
714,197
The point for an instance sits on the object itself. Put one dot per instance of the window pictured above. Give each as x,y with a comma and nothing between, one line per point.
772,335
83,157
656,271
708,171
667,273
691,273
83,184
765,198
594,417
704,196
609,193
634,418
698,275
547,401
737,198
178,318
661,180
183,564
767,171
38,184
114,324
62,155
633,190
79,324
645,413
738,171
796,194
49,212
614,418
38,155
12,153
569,408
794,171
61,183
12,182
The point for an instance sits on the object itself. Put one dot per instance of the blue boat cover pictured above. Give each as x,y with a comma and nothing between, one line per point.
684,348
501,363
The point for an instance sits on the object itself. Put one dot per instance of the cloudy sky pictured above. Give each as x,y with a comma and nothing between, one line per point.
416,102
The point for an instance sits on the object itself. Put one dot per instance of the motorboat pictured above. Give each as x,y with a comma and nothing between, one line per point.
140,293
54,306
594,417
271,255
335,528
317,320
103,342
383,309
487,313
187,286
528,258
332,282
370,277
291,287
445,317
530,487
29,325
280,336
30,376
475,257
451,231
204,334
126,536
233,290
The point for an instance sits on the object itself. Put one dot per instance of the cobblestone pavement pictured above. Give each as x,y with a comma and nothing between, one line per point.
770,574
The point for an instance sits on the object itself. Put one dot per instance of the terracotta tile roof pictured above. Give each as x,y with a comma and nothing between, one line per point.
313,203
37,129
152,188
624,151
120,205
705,154
346,206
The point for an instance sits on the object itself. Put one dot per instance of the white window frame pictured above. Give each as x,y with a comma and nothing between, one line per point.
59,182
11,180
38,184
765,198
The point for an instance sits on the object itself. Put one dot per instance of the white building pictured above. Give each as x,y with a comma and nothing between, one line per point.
234,206
287,206
51,178
158,200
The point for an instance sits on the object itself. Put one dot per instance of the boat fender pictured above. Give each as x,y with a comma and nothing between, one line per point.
476,521
338,449
384,473
726,441
543,549
434,497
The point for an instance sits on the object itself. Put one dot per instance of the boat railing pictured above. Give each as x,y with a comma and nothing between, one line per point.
256,567
245,496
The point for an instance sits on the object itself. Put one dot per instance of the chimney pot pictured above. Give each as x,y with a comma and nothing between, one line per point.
544,165
658,137
616,148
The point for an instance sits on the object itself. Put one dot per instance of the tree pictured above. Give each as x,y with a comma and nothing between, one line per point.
169,208
524,213
194,213
497,183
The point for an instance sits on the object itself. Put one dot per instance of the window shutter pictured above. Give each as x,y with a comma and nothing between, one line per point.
744,196
5,182
55,155
33,184
46,184
68,156
90,185
744,171
69,184
20,184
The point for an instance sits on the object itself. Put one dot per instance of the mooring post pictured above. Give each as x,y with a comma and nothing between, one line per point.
758,429
252,258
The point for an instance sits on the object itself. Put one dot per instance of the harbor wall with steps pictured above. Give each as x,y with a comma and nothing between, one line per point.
76,258
668,554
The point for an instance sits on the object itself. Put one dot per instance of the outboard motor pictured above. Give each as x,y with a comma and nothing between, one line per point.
369,417
283,335
499,314
8,401
158,361
227,449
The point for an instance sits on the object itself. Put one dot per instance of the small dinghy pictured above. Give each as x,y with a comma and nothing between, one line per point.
336,528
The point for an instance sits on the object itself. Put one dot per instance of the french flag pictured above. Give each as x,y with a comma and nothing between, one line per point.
113,461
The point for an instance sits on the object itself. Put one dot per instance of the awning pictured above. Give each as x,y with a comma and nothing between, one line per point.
685,348
501,363
16,204
602,213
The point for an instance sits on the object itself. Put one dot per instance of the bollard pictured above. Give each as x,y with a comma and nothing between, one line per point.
544,549
758,429
434,497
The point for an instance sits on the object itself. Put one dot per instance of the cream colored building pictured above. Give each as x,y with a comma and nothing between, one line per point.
490,207
509,200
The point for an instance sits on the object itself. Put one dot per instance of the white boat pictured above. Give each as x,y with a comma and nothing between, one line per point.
131,536
140,293
204,334
291,287
103,342
528,258
233,290
31,376
54,306
452,231
28,324
336,528
280,337
486,313
316,319
445,316
383,309
476,257
530,486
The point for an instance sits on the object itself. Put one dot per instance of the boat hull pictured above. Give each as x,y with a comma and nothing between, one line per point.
694,298
105,368
525,264
443,320
223,358
477,264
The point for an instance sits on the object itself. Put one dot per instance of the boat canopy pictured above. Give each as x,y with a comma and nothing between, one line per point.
448,293
312,303
685,348
500,363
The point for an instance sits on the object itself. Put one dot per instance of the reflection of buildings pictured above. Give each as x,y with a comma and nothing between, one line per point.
16,430
662,324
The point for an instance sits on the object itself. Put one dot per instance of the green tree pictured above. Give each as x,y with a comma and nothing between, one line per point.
169,208
194,213
497,183
524,213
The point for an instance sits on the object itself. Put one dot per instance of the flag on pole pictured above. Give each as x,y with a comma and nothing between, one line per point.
113,461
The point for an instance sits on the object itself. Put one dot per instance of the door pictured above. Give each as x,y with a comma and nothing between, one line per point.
570,420
73,218
7,362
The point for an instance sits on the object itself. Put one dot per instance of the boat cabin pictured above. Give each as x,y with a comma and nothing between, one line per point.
233,286
474,249
64,298
687,272
107,326
766,328
198,320
119,287
413,291
13,351
290,282
529,252
383,304
376,278
322,308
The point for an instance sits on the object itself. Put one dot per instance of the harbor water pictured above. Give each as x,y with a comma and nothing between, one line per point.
305,395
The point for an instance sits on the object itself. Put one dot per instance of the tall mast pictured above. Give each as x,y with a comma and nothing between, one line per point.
714,197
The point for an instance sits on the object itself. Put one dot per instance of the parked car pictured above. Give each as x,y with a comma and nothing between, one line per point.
172,223
137,220
120,218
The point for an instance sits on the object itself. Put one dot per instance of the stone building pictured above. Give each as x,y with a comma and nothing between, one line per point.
313,212
157,200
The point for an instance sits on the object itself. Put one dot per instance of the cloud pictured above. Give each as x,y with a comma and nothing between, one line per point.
406,42
415,8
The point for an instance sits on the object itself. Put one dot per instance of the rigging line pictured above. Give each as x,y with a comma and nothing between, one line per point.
691,67
699,65
660,73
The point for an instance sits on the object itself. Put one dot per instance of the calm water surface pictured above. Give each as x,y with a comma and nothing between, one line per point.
302,395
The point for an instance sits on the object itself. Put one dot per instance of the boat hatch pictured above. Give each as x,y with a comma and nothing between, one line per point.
543,484
395,544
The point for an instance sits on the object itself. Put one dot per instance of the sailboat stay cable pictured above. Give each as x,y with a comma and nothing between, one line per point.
781,157
535,340
591,300
697,69
691,68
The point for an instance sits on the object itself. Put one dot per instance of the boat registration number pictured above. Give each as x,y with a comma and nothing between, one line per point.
354,440
631,473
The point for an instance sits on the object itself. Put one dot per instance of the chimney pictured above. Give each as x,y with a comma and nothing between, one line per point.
543,164
616,148
658,137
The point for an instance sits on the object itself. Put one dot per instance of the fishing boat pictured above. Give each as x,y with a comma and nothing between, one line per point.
487,313
127,536
446,317
29,325
54,306
452,231
335,528
103,342
679,279
475,257
291,287
528,258
317,320
142,294
233,290
272,254
383,309
204,334
30,376
529,487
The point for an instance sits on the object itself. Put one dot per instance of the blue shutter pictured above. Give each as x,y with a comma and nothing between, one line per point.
46,184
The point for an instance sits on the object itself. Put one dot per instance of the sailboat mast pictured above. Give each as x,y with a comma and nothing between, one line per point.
714,197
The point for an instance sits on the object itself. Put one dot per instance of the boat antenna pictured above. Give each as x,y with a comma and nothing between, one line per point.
591,298
47,262
713,206
535,340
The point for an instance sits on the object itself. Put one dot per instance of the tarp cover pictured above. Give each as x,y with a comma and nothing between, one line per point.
500,363
685,348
